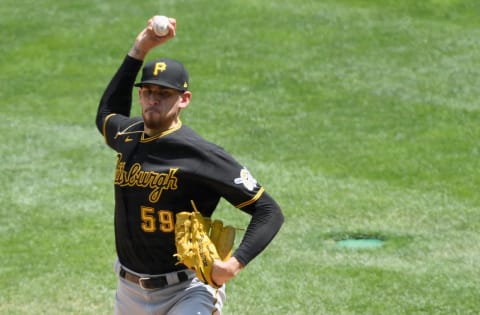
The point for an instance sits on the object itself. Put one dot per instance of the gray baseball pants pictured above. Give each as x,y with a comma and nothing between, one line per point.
190,297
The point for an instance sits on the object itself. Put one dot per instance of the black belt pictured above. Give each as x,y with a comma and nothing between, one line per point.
156,282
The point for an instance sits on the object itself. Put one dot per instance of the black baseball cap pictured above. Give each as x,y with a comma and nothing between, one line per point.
165,72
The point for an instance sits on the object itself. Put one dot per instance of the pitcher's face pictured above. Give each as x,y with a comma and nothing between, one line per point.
161,106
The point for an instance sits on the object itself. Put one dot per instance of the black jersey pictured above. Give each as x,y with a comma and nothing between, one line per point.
157,177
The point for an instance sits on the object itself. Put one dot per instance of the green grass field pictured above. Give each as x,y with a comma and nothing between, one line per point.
360,117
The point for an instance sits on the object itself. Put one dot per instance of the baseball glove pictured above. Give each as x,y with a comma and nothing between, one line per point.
200,242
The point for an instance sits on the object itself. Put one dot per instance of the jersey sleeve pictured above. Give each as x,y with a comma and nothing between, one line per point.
230,179
119,130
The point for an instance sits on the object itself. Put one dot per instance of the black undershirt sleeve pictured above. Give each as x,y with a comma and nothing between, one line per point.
267,218
117,97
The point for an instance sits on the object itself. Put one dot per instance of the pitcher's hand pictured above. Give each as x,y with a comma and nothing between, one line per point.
223,271
146,40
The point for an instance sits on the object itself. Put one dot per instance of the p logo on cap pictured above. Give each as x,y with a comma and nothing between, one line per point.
159,66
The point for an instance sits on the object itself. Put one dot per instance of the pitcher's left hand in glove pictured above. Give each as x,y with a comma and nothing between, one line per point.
200,242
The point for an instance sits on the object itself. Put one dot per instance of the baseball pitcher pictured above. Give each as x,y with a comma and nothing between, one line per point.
172,257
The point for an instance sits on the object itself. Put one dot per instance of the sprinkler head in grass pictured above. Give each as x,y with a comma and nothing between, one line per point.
360,243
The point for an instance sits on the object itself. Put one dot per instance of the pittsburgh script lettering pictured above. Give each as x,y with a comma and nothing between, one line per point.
136,177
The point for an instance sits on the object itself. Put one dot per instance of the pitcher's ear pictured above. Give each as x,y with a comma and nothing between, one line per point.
185,99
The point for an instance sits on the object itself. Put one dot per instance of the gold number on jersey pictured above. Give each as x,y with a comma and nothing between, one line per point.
149,220
167,224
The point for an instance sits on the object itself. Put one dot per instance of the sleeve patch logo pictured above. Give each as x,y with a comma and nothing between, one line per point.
246,179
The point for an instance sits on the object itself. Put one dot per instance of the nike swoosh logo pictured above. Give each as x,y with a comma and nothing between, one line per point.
128,139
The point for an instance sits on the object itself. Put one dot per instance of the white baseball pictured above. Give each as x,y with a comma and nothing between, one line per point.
160,25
